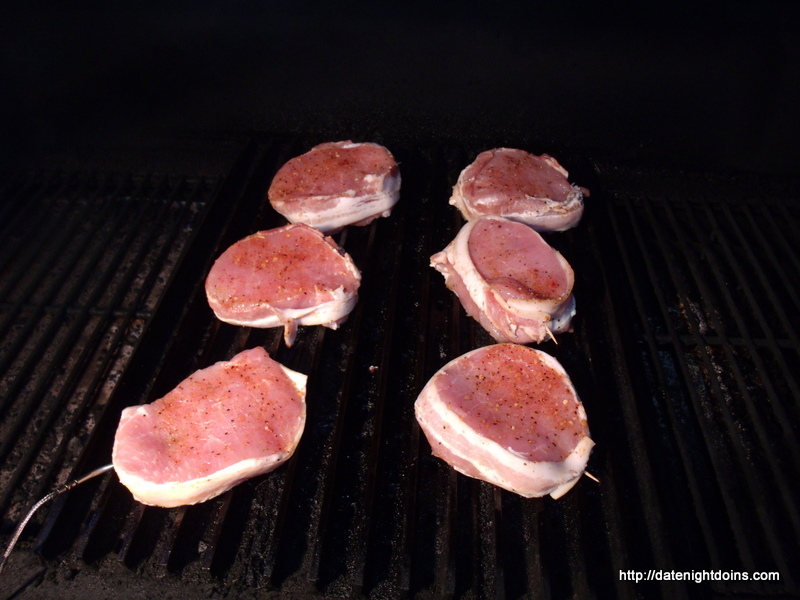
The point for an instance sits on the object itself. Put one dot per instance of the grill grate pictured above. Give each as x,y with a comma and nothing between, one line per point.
685,352
83,262
709,310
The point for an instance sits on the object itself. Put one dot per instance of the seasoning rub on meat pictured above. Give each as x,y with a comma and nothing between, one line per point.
284,277
509,415
520,186
337,184
509,280
223,424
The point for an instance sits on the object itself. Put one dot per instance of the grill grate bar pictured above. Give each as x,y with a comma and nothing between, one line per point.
788,277
125,317
663,555
51,242
98,310
95,535
51,328
215,536
755,487
494,540
440,501
273,508
630,502
710,339
128,533
775,307
789,241
97,330
669,369
454,572
26,265
721,441
740,321
284,491
53,270
380,351
334,514
397,458
89,309
425,326
744,230
207,539
44,424
15,249
165,554
175,548
754,411
715,445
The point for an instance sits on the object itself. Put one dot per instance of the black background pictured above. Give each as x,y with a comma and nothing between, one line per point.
679,84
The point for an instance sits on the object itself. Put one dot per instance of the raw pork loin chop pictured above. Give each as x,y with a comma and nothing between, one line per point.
509,415
519,186
231,421
337,184
509,280
289,276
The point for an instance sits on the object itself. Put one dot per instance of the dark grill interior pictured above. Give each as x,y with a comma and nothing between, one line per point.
685,353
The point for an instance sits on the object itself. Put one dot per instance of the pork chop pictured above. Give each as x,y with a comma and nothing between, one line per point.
337,184
223,424
288,276
509,415
509,280
519,186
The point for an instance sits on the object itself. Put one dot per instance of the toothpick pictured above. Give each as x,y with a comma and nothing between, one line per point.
550,333
592,477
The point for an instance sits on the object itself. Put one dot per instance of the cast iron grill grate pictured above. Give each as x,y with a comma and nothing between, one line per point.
712,317
685,353
84,259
